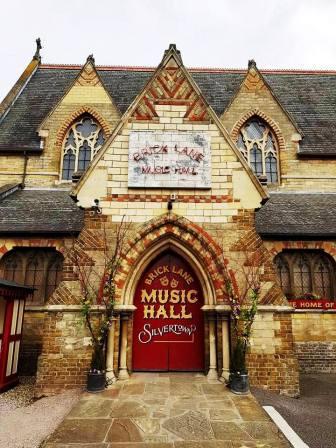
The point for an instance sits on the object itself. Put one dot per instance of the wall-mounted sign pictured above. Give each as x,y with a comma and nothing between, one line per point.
304,304
169,159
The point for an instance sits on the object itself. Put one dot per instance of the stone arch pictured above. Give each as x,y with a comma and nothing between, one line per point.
189,241
259,113
73,116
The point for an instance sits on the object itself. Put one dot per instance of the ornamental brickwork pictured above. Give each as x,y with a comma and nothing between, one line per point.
211,224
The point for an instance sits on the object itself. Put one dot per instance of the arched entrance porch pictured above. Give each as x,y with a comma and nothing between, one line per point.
196,250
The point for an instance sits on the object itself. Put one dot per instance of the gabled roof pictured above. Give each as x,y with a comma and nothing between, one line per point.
39,212
141,107
308,96
297,215
88,75
253,82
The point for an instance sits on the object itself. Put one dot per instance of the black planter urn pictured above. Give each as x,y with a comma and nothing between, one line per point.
96,381
239,383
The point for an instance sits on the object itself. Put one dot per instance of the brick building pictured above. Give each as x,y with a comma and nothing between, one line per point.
245,159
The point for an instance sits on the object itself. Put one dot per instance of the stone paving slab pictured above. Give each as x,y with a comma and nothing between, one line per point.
161,410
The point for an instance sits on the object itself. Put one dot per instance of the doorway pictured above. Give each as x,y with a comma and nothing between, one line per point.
168,327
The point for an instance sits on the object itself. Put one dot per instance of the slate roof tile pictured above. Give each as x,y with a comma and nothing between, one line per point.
297,215
40,211
310,98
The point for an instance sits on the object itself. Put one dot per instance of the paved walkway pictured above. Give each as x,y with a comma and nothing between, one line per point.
162,410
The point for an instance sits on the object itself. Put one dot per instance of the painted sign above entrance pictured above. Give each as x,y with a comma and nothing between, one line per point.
169,159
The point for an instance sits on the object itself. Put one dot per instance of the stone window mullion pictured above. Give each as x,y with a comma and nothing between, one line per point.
256,136
83,139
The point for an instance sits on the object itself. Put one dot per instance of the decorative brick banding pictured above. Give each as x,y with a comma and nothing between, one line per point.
196,239
192,198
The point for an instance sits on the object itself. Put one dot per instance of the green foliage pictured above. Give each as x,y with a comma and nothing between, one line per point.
244,307
99,321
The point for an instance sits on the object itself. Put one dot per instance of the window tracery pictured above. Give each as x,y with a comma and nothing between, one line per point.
305,272
82,142
38,268
258,146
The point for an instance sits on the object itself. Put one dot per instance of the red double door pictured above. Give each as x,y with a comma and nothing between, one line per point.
168,328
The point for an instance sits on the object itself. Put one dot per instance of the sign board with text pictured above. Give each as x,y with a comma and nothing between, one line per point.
169,159
322,304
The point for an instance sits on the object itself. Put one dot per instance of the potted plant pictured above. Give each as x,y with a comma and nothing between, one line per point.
243,303
98,298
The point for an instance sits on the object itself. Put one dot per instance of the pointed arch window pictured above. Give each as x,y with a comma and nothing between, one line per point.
40,268
302,273
82,142
257,143
284,275
302,277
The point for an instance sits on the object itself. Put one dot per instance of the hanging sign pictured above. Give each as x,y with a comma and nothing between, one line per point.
169,159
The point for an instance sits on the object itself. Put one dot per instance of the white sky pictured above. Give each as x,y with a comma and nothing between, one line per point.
209,33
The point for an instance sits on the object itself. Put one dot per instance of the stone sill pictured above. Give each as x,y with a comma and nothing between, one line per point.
76,308
313,311
131,308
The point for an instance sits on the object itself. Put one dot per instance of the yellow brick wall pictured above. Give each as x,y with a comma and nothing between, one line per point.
227,175
314,327
44,169
264,339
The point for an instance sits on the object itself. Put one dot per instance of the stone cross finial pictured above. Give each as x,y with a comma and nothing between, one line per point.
252,64
37,55
91,59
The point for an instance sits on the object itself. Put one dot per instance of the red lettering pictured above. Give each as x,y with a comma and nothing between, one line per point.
155,169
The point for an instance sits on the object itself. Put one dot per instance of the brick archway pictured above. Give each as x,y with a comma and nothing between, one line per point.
61,133
185,238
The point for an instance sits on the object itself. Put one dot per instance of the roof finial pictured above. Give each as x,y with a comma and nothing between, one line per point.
252,64
90,59
172,47
37,55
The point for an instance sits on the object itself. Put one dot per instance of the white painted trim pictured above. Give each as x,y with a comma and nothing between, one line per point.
284,427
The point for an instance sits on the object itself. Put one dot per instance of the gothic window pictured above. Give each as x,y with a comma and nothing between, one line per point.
83,140
12,268
34,275
284,275
38,268
302,273
258,145
302,276
54,274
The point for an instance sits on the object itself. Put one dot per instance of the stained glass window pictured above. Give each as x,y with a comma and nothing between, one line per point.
84,139
258,145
